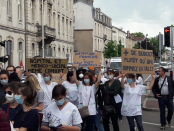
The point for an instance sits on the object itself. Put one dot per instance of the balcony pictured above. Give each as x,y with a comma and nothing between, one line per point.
105,37
50,2
48,31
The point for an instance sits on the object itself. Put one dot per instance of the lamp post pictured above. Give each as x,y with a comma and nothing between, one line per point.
146,41
43,28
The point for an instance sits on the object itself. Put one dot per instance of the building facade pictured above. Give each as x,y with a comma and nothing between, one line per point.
119,35
58,28
130,41
92,28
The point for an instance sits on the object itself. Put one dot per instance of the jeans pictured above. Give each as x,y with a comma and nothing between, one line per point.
97,121
132,124
89,123
164,102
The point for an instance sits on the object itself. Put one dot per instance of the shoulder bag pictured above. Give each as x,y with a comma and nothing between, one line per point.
162,84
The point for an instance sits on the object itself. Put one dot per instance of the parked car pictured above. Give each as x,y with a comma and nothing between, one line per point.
157,66
164,65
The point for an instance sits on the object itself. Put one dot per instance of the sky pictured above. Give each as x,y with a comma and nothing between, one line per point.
147,16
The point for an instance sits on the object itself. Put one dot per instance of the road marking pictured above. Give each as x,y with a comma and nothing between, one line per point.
154,124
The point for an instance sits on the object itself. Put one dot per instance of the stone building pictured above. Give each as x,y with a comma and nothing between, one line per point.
130,41
58,28
92,28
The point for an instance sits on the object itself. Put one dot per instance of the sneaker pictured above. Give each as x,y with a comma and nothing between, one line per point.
169,124
162,127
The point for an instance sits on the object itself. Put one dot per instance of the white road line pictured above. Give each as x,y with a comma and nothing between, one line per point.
154,124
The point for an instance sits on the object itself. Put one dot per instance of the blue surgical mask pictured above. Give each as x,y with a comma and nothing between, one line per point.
4,82
72,80
129,81
18,99
61,102
46,79
86,81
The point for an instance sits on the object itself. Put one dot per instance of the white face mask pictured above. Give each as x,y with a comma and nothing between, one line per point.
81,75
10,98
110,77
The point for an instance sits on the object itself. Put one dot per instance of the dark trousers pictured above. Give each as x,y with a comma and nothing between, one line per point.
164,102
114,120
89,123
138,120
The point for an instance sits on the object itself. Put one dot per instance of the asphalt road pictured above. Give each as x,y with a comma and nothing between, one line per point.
151,122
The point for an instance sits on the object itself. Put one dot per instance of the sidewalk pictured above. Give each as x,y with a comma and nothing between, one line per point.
150,103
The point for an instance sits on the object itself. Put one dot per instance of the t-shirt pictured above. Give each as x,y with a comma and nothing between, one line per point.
72,92
104,80
131,105
29,120
2,95
140,80
39,98
50,88
69,115
12,111
87,96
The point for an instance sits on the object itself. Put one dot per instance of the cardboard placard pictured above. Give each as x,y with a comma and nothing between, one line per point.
46,65
137,61
82,59
56,78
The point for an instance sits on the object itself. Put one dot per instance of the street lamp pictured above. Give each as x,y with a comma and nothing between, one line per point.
146,41
43,28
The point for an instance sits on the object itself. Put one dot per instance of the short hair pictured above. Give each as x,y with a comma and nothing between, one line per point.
4,72
18,67
92,72
14,77
48,74
116,73
14,86
111,71
131,76
90,78
70,74
14,69
29,92
163,69
58,90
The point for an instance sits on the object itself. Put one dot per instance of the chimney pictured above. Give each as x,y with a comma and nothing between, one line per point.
127,33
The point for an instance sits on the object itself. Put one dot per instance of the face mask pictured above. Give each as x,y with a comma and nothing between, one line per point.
46,79
105,75
9,98
81,75
61,102
110,77
72,80
129,81
9,72
4,82
86,81
18,99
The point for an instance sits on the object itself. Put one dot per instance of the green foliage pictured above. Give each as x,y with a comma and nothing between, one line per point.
138,34
136,46
110,50
119,46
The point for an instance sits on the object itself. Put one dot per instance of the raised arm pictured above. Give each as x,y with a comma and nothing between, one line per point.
118,77
75,76
99,78
122,80
151,84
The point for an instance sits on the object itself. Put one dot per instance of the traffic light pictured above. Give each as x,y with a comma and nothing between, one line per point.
171,74
167,36
2,43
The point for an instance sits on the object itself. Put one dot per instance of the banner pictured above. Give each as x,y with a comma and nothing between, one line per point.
46,65
86,59
137,61
56,78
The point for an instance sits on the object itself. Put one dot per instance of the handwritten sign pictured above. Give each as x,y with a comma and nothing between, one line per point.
86,59
56,78
137,61
45,65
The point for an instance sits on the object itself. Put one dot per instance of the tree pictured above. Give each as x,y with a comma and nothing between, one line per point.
110,50
138,34
119,46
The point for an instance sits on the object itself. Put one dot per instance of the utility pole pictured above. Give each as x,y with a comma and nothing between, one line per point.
43,28
171,45
146,41
25,33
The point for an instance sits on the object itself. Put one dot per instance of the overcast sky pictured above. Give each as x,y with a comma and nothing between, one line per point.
147,16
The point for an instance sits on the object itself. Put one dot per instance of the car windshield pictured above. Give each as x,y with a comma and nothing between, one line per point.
164,64
116,65
157,65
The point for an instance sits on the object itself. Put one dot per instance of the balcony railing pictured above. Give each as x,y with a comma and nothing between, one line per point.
48,31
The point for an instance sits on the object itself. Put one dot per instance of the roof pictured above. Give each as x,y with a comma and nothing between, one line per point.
138,38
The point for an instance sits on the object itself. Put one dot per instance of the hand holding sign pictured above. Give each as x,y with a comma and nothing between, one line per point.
99,67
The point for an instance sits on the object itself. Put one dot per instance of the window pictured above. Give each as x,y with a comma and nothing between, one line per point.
49,17
49,51
98,30
33,11
41,14
67,27
33,50
54,51
67,50
20,52
54,25
9,7
19,9
63,25
58,22
70,29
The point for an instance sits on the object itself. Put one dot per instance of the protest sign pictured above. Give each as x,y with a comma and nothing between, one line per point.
137,61
56,78
45,65
82,59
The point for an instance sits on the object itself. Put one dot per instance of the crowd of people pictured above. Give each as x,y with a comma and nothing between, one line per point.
88,100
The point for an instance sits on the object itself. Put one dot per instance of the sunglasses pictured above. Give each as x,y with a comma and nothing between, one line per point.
8,92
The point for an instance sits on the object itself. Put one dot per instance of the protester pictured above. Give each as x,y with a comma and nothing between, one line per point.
40,93
71,89
12,107
113,88
4,121
163,90
28,118
14,77
39,77
11,69
4,77
20,74
131,107
139,79
87,92
80,74
61,113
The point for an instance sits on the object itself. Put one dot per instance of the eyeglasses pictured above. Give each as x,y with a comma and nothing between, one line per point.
8,92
